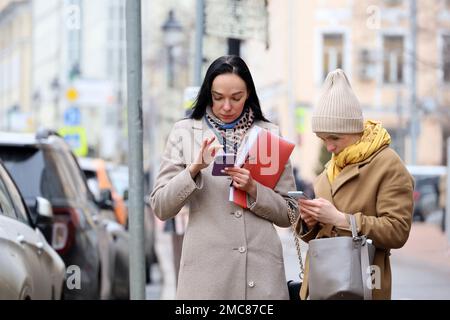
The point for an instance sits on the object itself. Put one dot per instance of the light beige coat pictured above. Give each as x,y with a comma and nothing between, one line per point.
379,192
228,252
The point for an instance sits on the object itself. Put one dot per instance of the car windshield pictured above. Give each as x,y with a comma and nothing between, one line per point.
92,182
37,173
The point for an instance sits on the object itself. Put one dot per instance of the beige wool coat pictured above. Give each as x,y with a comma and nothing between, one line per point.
228,252
379,192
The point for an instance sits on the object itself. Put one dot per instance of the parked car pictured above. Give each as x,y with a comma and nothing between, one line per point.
120,181
43,166
426,190
112,208
100,184
29,267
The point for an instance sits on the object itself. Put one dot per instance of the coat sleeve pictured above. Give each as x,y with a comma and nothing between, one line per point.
174,184
394,206
271,204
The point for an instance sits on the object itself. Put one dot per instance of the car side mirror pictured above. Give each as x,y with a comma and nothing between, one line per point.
106,201
44,209
43,218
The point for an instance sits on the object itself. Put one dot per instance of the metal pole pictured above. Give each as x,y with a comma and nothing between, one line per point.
135,152
199,30
414,111
170,67
447,195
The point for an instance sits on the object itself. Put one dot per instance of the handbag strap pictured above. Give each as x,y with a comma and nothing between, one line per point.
297,242
365,265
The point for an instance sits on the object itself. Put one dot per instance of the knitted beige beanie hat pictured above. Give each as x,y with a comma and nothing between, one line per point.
338,109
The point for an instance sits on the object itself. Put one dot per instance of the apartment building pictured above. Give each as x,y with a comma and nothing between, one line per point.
370,40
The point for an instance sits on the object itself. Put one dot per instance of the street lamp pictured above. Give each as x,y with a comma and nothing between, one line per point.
173,35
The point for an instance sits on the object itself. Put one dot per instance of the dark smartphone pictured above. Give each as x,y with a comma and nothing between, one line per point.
221,161
298,195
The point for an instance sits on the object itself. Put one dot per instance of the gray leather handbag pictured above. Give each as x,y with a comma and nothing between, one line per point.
339,267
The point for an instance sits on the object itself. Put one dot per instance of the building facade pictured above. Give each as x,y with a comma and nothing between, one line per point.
16,110
372,41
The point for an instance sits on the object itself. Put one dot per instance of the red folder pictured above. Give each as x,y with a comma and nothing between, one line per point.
265,155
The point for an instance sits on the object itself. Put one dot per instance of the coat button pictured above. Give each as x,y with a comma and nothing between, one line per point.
241,249
238,214
251,284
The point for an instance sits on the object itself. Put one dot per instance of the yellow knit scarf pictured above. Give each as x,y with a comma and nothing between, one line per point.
374,137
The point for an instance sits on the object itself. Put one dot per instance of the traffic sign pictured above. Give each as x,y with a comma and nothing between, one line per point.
243,19
72,94
72,116
76,137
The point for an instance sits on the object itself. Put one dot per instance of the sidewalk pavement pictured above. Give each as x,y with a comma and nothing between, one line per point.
427,243
421,269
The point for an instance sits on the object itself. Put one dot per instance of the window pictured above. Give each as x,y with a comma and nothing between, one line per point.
446,58
16,198
36,173
333,51
393,59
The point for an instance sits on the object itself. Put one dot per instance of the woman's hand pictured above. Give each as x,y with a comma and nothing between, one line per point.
242,180
322,210
204,157
309,220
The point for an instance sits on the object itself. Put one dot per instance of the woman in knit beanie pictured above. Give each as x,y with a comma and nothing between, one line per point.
364,178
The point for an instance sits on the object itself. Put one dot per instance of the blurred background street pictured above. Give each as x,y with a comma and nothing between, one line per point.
66,96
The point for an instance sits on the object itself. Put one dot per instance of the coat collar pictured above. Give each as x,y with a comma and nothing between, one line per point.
349,172
202,131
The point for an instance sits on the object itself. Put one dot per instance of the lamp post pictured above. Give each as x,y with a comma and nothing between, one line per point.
173,33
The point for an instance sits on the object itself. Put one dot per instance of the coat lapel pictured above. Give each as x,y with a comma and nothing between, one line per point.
201,132
348,173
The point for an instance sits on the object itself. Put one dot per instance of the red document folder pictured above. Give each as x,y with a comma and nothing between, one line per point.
265,155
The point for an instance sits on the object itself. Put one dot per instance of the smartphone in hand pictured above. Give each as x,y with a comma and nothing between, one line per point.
222,161
298,195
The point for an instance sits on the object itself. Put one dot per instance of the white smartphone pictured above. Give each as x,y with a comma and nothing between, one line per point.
298,195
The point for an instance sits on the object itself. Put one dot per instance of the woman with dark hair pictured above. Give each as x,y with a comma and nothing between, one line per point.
233,65
228,252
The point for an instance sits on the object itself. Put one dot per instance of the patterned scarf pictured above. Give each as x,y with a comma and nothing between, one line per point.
373,138
230,134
